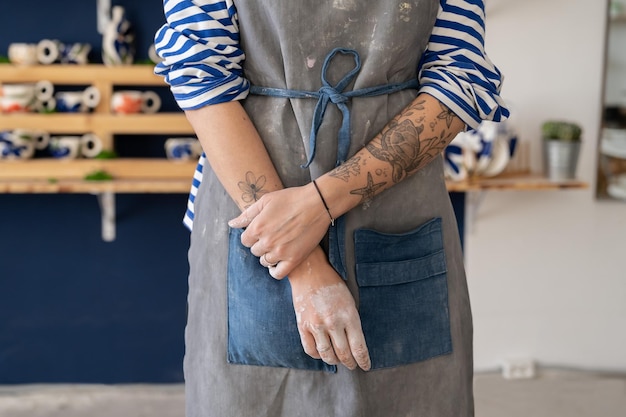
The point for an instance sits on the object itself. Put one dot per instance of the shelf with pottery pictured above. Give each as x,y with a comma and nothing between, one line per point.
103,122
130,175
137,175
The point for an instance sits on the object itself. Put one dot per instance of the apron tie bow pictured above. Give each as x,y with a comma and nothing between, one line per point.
336,95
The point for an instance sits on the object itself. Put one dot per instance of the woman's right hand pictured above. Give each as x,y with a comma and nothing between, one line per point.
328,321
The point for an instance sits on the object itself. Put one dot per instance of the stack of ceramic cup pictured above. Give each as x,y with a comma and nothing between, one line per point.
19,144
135,101
26,97
22,143
49,51
77,101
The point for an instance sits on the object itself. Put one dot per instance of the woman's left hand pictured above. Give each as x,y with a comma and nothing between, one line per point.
283,227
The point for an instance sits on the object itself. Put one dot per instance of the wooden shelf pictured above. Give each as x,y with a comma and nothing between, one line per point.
522,181
160,123
130,176
95,187
128,75
140,175
163,176
35,175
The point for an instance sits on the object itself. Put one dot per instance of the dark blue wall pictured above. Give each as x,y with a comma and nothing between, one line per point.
72,307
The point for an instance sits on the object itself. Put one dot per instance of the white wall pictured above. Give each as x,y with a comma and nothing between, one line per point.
547,269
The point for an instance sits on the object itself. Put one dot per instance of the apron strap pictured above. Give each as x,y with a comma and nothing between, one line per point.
334,94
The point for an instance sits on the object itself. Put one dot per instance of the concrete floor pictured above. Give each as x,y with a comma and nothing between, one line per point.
553,393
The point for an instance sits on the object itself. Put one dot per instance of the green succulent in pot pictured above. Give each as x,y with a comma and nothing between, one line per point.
561,130
561,147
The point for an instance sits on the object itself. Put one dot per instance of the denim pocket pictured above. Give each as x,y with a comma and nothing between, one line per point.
262,327
403,294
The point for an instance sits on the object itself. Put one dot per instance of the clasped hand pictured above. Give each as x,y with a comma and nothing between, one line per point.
283,227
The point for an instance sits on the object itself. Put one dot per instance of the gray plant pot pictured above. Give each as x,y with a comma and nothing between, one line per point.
560,159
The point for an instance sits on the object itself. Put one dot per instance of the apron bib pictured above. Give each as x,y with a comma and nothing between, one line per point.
400,255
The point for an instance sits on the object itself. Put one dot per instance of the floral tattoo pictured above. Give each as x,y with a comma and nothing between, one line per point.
252,187
404,144
446,114
400,146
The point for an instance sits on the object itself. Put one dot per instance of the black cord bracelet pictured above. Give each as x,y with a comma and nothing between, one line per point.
332,221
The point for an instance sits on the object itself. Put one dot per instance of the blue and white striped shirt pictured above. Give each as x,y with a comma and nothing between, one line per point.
202,62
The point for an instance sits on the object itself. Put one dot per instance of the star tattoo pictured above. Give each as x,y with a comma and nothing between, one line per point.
368,192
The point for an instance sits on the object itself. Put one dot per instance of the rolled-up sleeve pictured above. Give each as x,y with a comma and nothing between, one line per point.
455,68
202,58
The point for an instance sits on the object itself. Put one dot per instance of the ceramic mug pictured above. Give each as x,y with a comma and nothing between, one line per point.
134,101
183,149
25,97
72,147
23,53
77,101
21,144
50,51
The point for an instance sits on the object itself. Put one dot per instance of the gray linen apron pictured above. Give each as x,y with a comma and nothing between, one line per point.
400,255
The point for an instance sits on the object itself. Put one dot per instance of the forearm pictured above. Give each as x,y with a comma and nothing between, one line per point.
235,151
239,159
407,144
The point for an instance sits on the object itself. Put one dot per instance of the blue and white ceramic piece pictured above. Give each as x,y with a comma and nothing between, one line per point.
183,149
485,151
454,167
118,39
72,147
77,101
50,51
15,146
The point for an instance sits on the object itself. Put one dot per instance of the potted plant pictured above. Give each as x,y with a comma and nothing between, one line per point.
561,147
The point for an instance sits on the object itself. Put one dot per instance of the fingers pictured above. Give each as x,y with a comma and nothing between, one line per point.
324,347
281,269
347,347
266,262
358,347
342,349
308,343
246,217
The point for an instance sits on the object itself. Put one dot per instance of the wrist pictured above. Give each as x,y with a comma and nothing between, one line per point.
319,192
311,263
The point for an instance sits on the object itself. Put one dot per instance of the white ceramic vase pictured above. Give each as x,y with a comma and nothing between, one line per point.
118,39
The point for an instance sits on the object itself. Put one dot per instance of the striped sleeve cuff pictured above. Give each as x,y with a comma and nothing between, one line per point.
455,68
202,59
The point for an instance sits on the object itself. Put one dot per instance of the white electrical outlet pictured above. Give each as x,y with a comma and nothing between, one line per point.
518,368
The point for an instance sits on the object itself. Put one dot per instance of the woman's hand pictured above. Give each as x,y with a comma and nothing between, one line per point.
328,321
283,227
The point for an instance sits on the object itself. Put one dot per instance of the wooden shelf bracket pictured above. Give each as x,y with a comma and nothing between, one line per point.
106,201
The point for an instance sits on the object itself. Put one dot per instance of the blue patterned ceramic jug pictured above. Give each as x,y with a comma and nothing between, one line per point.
118,39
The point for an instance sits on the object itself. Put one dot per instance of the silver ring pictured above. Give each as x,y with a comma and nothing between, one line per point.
269,264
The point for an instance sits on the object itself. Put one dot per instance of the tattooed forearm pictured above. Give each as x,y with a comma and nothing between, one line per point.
404,144
350,167
252,188
446,114
400,146
368,192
